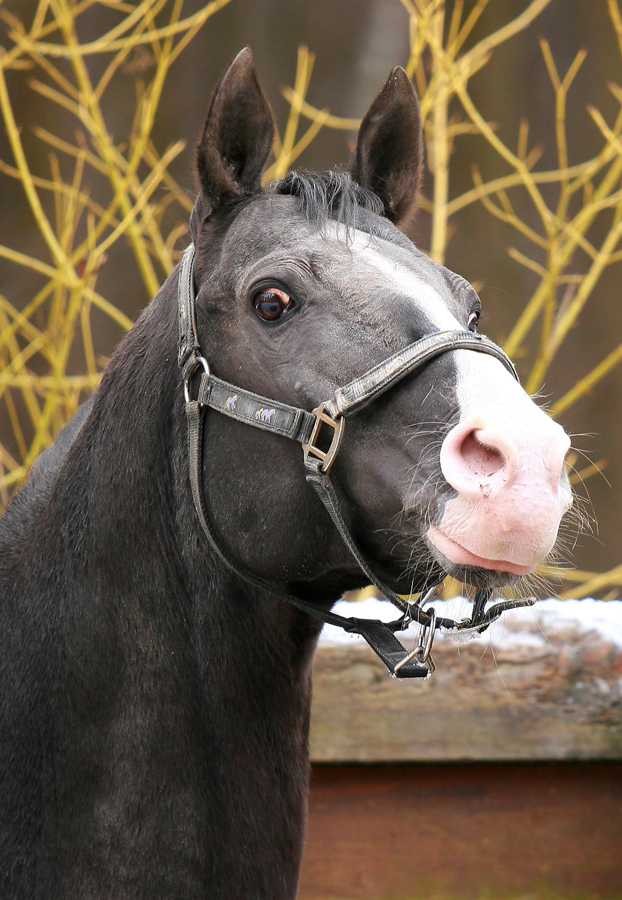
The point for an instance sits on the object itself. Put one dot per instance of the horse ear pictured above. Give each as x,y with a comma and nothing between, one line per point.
388,159
237,135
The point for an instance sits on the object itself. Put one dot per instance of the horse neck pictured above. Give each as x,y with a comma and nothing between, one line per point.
202,684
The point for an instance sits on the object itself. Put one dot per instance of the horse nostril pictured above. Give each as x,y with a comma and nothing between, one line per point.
482,459
477,458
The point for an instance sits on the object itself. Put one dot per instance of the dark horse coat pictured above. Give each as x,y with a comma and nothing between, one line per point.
154,706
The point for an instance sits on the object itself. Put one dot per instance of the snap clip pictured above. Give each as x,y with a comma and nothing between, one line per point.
423,651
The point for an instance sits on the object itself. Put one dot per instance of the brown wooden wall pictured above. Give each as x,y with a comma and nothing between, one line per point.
400,832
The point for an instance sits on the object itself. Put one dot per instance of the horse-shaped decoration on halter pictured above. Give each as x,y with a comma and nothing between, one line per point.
304,406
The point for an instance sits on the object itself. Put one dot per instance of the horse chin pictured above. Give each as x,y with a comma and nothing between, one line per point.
477,576
433,560
481,578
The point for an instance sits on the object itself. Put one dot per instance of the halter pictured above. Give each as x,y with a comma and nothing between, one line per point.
306,427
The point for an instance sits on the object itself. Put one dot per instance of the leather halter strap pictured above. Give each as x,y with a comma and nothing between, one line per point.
293,422
303,426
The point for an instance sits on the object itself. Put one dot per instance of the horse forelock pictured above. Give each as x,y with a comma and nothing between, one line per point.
333,195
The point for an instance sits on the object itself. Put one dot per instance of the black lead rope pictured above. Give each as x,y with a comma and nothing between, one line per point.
305,427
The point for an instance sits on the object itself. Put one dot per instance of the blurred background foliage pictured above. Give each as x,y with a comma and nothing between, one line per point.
102,101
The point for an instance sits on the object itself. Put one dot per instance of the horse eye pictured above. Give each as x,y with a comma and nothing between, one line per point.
473,321
272,303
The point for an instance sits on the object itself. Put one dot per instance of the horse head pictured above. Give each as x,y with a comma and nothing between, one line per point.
303,285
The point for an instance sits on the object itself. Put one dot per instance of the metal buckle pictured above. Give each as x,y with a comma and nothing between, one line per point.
311,449
198,362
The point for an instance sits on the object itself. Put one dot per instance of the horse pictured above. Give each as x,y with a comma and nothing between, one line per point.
155,680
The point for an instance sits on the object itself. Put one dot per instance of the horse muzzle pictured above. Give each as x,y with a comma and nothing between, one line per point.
511,491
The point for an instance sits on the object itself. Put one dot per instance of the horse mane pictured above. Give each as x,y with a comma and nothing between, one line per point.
333,195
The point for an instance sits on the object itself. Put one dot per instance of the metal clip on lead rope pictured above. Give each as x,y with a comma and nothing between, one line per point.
423,651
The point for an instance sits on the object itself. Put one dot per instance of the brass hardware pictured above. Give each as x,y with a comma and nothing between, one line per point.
338,426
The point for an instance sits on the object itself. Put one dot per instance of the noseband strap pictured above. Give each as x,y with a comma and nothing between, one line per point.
305,427
358,393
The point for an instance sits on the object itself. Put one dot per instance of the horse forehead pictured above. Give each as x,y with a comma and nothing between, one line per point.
270,226
399,272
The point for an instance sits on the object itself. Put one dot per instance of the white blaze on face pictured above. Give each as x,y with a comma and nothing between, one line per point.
504,459
426,299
